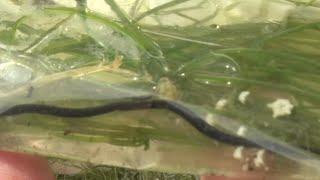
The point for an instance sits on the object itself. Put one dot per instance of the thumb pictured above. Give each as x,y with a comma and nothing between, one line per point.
17,166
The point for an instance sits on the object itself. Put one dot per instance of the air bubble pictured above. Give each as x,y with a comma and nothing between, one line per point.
15,73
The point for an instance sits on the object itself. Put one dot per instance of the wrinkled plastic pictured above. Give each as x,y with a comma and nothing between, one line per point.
248,73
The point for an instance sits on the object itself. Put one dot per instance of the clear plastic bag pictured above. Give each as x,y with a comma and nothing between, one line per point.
251,77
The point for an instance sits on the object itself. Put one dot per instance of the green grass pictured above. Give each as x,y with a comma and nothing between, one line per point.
112,173
203,63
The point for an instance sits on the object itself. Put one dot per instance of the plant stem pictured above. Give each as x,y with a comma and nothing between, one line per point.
44,36
158,8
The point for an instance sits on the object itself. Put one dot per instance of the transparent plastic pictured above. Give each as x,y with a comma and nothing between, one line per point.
249,74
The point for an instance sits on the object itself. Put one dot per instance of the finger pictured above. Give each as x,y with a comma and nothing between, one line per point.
242,176
18,166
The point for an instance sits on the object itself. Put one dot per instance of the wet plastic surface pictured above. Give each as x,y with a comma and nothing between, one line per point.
249,74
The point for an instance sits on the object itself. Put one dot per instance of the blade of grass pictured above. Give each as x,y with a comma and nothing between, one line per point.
142,41
17,24
119,12
9,36
74,73
134,30
134,8
158,8
292,56
302,27
186,16
44,36
181,38
287,88
148,44
184,8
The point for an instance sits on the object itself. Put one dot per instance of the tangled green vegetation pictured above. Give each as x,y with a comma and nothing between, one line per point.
202,63
112,173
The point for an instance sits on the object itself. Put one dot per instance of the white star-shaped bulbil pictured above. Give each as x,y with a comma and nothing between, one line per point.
242,131
243,96
238,153
210,119
259,161
280,107
221,104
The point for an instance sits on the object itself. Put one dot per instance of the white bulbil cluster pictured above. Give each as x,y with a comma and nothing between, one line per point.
15,73
242,131
280,107
221,104
210,119
238,153
243,96
258,161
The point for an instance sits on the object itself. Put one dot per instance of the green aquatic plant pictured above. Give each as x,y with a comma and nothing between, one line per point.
108,173
88,57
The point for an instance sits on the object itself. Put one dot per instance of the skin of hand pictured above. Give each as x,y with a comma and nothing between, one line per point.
243,176
18,166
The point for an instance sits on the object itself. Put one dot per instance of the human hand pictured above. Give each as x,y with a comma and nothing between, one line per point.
18,166
244,176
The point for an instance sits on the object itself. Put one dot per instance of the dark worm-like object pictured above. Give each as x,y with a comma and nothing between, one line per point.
145,103
136,104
